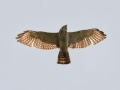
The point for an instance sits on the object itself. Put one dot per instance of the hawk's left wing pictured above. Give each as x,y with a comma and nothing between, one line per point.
38,39
84,38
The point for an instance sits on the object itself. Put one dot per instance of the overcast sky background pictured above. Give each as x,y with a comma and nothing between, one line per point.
96,67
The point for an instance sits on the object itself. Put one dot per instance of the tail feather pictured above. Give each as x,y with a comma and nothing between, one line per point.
63,58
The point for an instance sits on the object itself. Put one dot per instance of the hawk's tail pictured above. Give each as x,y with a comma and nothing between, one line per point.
63,58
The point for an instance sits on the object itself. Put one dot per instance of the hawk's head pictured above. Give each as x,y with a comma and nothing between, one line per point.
63,30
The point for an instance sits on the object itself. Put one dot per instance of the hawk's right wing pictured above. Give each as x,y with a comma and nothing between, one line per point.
38,39
84,38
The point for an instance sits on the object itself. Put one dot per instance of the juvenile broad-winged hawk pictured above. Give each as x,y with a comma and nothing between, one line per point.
62,40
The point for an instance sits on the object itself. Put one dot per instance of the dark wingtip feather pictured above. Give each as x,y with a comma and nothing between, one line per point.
26,31
17,37
21,34
101,32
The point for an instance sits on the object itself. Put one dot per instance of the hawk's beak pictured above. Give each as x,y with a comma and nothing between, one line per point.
65,25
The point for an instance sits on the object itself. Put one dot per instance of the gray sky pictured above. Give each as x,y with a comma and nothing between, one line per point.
96,67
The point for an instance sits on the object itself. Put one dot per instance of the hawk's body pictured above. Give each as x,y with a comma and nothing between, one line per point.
62,40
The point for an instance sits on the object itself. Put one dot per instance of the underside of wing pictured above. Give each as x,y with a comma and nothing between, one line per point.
84,38
41,40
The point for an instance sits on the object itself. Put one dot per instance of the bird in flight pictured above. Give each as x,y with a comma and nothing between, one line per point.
62,40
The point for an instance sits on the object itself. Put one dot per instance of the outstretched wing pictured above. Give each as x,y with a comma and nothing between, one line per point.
41,40
84,38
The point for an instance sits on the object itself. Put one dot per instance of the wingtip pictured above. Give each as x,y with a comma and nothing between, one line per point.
21,34
101,32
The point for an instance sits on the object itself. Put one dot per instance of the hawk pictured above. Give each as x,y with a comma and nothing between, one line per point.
62,40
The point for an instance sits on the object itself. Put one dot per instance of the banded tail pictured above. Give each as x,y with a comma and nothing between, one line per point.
63,58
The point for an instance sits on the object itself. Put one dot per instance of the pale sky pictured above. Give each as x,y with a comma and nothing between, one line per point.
96,67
